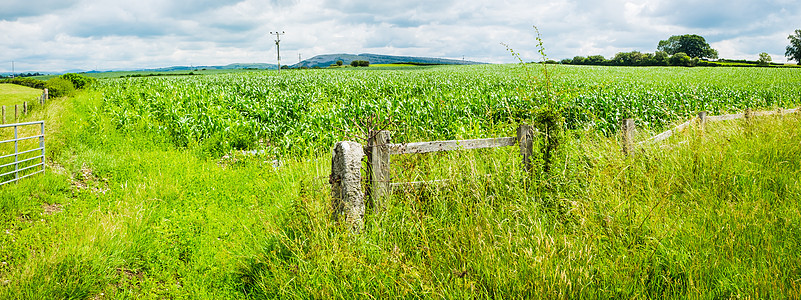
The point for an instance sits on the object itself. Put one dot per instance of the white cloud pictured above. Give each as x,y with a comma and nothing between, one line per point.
47,35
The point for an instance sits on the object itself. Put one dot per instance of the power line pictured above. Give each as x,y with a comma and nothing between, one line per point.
278,46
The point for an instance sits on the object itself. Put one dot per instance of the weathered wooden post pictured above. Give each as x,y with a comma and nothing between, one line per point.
16,113
525,141
25,108
346,185
378,161
627,131
46,96
702,121
4,114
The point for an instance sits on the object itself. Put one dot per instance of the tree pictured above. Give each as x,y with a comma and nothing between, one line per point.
794,50
339,63
764,59
692,45
595,60
681,59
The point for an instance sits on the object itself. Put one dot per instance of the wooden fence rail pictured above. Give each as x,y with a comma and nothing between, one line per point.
346,187
378,152
701,119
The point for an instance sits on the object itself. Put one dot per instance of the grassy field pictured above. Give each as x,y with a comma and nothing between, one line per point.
11,94
126,212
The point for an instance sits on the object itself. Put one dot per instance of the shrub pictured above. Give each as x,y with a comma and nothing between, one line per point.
78,81
681,60
360,63
29,82
59,87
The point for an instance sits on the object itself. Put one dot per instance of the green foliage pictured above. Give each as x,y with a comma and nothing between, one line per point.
122,216
360,63
59,87
339,63
24,81
595,60
681,60
692,45
79,81
794,49
764,59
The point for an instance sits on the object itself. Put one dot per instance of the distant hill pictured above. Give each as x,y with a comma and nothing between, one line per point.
226,67
330,59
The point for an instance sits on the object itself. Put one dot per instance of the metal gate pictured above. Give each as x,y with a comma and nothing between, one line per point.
28,159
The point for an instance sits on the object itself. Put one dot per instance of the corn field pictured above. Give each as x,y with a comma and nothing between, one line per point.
306,111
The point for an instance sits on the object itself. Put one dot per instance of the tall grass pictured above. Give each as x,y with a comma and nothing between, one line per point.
124,215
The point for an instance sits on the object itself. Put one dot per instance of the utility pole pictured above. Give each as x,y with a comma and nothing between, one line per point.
278,47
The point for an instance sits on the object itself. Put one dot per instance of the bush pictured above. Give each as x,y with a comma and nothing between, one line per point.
681,59
59,87
29,82
78,81
360,63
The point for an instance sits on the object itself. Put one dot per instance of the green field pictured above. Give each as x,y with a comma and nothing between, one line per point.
11,94
147,196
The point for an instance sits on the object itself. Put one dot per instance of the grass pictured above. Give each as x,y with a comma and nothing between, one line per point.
124,214
11,94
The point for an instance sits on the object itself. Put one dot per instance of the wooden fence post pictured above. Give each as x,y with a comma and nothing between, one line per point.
702,121
627,130
16,113
46,96
378,160
346,184
4,114
25,108
525,141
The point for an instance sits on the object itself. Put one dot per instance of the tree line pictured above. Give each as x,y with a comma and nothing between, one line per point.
687,50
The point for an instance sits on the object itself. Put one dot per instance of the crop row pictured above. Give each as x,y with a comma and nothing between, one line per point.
306,111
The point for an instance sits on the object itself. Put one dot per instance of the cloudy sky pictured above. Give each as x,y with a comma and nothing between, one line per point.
58,35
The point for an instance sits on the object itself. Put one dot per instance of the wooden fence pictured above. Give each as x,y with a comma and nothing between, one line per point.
345,178
628,125
345,175
23,108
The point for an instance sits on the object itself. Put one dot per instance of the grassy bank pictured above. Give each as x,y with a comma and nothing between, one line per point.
126,214
11,94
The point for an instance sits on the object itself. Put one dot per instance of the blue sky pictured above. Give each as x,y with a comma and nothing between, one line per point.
58,35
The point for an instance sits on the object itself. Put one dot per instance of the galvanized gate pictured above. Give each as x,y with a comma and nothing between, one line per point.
28,159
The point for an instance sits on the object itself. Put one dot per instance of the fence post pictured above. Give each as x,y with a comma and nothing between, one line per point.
525,141
4,114
346,184
378,156
627,129
16,113
25,108
702,121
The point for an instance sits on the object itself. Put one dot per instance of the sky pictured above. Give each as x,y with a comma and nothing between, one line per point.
61,35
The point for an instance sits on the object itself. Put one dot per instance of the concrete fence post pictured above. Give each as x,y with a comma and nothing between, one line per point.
526,143
346,185
702,120
627,132
378,162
